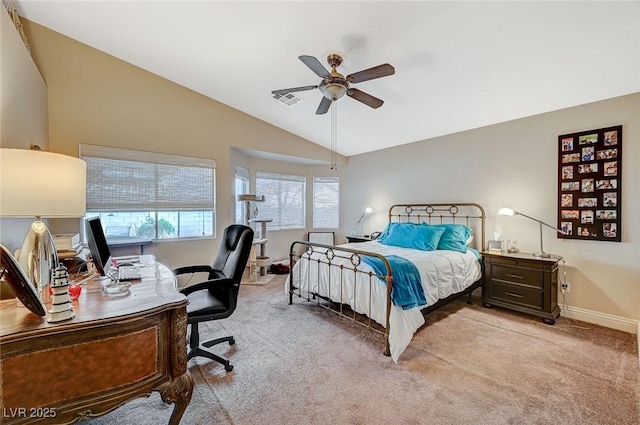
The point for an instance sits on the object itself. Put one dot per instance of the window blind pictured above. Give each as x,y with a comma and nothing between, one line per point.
129,180
284,200
326,202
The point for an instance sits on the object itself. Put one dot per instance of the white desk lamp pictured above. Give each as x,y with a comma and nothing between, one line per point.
41,184
541,253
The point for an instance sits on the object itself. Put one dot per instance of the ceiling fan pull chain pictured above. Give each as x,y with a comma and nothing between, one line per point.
334,135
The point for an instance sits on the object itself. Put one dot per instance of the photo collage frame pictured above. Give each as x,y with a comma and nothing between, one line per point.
589,181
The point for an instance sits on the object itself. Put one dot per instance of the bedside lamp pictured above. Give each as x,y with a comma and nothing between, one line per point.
41,184
367,211
541,253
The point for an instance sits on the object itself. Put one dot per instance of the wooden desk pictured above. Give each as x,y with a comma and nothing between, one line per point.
117,348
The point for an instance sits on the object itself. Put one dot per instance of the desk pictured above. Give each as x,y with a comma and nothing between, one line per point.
116,349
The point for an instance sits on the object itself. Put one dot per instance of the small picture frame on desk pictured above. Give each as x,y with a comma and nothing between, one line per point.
494,246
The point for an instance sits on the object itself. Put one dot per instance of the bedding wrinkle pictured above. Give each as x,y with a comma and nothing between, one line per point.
406,289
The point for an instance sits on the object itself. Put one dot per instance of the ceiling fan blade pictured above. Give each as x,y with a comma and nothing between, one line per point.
371,73
291,90
315,65
365,98
324,106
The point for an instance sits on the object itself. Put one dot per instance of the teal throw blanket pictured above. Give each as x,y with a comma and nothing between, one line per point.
406,290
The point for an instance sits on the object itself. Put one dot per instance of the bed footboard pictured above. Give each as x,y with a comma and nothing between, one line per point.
338,279
334,278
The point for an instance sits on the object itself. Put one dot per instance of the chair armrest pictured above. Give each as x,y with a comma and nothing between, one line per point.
191,269
206,285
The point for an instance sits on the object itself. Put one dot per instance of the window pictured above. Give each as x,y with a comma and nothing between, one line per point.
326,202
284,200
242,187
150,195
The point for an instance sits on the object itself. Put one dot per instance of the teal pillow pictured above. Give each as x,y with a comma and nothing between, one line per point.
454,238
385,232
416,236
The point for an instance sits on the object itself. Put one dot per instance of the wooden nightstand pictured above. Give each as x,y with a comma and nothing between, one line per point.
356,239
523,283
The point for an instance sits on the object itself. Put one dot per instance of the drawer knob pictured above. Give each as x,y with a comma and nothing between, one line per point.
516,276
513,294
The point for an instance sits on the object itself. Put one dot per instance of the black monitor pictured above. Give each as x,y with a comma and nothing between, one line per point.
98,245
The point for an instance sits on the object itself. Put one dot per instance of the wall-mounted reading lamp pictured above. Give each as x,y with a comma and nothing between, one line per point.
541,253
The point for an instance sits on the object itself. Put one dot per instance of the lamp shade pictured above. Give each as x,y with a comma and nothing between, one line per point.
506,211
367,210
41,184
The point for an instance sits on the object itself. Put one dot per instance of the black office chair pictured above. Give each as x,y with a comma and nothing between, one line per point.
217,297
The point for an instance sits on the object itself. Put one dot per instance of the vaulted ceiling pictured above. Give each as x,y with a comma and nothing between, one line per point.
458,65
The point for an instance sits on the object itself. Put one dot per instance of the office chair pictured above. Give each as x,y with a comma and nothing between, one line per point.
217,297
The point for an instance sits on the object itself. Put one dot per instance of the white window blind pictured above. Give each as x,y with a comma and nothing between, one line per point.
241,187
128,180
284,200
326,202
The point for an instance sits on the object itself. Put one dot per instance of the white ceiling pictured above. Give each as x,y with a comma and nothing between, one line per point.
459,65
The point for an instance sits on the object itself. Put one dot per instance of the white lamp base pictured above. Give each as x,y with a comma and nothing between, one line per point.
38,257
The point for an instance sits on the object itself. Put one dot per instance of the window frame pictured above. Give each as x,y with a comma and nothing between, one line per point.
277,222
241,175
158,184
317,180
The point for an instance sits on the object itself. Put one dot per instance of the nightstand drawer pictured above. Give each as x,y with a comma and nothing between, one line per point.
515,294
523,276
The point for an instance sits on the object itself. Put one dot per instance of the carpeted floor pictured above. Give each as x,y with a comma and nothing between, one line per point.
298,364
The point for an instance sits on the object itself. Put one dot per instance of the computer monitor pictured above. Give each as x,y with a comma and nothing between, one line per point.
98,245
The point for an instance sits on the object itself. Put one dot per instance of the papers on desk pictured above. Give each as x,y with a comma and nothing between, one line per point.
67,241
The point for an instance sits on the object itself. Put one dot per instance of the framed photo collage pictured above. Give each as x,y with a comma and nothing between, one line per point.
589,171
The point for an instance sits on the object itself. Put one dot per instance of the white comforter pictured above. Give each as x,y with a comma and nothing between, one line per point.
442,273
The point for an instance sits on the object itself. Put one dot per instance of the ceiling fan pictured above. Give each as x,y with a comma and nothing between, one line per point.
334,85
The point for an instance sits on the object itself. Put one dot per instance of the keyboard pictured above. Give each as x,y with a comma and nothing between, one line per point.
129,273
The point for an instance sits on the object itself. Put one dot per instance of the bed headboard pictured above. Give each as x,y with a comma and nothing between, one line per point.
471,215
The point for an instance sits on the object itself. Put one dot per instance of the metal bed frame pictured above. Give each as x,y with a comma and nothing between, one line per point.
318,255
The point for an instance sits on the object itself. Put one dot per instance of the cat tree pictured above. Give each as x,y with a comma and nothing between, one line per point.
258,264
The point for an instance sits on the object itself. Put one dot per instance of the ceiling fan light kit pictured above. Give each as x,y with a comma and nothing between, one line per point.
334,85
333,90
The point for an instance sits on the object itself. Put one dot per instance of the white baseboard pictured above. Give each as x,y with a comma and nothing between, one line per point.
603,319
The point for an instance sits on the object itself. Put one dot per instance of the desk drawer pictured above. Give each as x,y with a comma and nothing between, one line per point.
516,294
520,275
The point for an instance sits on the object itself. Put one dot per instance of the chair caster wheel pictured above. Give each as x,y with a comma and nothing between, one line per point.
228,368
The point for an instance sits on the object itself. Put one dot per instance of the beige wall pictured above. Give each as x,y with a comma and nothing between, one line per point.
23,92
515,164
23,111
97,99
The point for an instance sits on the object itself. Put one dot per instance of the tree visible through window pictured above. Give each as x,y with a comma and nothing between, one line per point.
284,200
150,195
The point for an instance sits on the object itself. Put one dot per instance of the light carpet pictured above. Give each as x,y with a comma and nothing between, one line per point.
299,364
